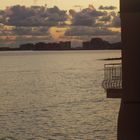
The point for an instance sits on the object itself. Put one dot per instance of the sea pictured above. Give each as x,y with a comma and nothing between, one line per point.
56,95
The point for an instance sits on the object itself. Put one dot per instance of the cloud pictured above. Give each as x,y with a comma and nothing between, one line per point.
5,30
95,18
23,30
107,7
116,22
34,16
22,16
15,41
34,31
1,16
89,31
72,12
86,17
106,18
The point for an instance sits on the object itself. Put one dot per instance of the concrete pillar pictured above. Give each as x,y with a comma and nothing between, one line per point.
129,115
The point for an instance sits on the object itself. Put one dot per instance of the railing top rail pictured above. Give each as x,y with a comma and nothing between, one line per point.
113,65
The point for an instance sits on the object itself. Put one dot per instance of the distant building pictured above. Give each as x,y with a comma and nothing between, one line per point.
46,46
4,48
86,45
100,44
65,45
96,44
28,46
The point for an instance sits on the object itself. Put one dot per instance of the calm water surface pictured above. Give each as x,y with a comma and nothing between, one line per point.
55,96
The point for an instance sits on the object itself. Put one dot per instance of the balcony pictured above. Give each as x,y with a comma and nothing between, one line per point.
112,82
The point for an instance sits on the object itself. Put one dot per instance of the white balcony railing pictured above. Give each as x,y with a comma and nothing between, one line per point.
112,76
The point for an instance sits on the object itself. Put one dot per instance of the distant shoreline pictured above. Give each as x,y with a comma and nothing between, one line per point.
73,49
93,44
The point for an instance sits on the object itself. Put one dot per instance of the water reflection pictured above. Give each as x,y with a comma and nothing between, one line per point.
55,95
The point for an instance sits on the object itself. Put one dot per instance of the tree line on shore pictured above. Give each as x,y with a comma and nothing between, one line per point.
93,44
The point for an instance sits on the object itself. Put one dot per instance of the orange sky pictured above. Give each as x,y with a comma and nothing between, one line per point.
64,4
57,33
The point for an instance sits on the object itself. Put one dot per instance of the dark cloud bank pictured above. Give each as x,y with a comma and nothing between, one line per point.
33,16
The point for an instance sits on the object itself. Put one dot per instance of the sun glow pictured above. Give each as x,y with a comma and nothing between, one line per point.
56,32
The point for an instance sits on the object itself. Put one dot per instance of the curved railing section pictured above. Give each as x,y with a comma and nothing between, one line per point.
112,76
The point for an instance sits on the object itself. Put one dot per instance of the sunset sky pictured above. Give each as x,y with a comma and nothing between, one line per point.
74,20
64,4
